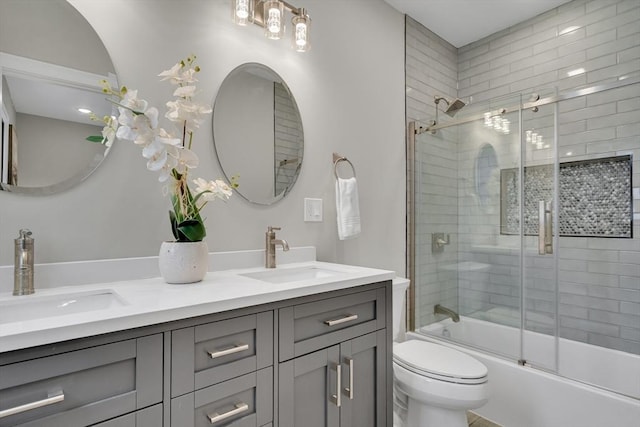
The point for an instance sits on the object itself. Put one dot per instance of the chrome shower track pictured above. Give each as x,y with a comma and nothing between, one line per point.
544,101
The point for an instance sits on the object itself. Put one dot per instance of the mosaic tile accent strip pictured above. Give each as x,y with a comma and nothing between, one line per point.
595,198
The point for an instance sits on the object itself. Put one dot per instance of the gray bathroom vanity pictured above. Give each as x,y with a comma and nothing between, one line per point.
315,352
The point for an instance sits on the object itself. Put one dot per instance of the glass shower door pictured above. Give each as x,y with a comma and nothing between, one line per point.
539,219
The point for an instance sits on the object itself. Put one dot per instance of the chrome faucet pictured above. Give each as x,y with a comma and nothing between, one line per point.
271,242
438,309
23,264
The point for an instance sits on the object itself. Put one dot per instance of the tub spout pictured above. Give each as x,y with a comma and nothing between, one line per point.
438,309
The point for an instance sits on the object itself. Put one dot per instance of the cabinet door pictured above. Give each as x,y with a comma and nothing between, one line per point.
364,381
309,390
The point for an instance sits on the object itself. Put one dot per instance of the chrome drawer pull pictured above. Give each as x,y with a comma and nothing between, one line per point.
240,408
350,388
33,405
343,320
236,349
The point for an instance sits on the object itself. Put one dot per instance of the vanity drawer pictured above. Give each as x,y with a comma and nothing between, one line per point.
148,417
82,387
307,327
214,352
246,401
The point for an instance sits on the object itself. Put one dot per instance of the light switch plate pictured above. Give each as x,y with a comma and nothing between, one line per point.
312,210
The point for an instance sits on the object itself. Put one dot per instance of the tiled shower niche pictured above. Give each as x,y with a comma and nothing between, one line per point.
595,198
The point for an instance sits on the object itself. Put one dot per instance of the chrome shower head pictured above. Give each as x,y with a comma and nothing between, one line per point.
452,106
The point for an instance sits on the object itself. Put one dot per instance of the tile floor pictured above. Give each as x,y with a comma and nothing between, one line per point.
477,421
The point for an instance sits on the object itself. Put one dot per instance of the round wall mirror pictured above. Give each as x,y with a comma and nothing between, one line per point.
257,133
51,65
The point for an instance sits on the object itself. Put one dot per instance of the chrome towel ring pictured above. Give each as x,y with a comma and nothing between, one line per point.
337,158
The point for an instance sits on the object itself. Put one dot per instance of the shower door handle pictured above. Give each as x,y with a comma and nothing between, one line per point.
545,238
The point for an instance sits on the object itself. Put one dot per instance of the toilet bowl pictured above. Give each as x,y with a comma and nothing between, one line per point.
434,385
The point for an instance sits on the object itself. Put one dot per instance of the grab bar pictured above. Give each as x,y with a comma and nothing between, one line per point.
545,240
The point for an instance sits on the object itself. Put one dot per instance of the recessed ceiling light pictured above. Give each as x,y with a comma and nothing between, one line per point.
84,110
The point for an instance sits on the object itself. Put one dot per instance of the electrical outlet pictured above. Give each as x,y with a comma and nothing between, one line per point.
312,210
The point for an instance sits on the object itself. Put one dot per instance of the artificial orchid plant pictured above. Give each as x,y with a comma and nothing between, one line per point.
168,152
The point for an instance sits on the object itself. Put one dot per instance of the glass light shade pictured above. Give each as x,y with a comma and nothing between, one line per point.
242,11
301,25
273,23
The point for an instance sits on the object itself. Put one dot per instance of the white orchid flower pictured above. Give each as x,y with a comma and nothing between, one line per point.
172,74
166,138
211,190
224,190
109,131
189,76
157,158
132,102
185,91
187,159
187,112
167,154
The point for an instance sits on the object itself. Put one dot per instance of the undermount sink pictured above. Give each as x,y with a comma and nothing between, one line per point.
37,307
296,274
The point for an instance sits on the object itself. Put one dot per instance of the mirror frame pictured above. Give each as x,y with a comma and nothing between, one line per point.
216,141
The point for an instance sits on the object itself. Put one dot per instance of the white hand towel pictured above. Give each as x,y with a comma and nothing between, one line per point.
347,208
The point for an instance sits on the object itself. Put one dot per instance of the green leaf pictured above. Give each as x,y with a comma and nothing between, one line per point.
192,230
174,225
95,138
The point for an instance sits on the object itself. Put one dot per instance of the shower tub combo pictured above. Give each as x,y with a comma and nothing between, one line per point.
525,397
536,247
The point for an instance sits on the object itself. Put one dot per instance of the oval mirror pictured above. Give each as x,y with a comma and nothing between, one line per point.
51,65
257,133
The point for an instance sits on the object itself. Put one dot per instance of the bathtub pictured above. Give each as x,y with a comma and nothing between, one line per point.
521,396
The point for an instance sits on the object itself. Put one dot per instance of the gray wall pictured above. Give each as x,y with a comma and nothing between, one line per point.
351,99
431,68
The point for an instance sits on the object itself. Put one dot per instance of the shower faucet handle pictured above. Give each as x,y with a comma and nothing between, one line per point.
438,242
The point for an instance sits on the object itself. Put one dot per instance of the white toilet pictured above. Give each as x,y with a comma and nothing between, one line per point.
434,385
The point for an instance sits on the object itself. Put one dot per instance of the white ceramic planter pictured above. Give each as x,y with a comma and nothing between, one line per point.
183,262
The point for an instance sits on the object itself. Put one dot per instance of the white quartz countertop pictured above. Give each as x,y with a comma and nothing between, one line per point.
151,301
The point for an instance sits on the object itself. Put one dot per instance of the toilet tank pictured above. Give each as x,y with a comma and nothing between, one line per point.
400,285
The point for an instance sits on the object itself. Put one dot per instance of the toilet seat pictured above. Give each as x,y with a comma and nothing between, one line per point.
439,362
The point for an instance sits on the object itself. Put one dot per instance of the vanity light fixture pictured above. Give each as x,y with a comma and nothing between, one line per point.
270,15
242,11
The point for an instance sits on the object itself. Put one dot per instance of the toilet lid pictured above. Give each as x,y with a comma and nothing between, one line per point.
439,362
